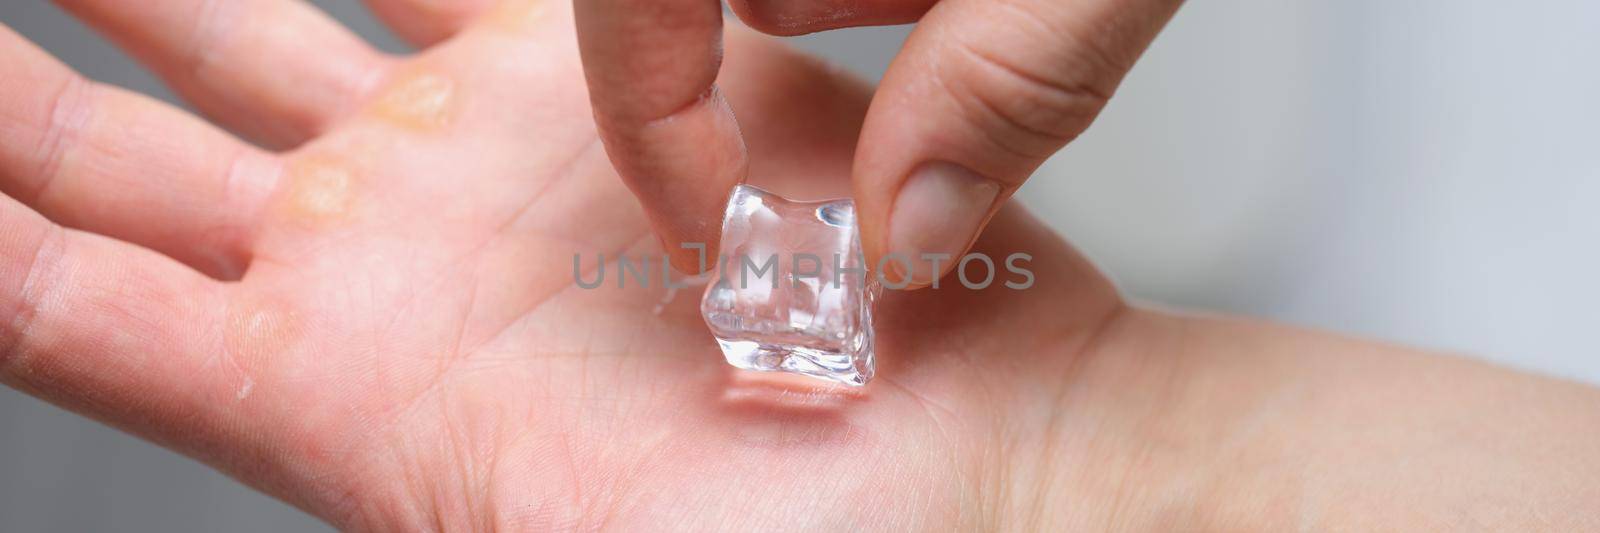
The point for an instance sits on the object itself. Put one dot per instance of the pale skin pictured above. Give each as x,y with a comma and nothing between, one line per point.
379,325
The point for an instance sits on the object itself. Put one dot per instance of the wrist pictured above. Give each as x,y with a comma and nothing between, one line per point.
1125,442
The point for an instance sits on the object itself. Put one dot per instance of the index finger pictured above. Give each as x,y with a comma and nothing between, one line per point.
651,67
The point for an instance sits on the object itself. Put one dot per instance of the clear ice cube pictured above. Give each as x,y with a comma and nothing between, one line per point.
791,292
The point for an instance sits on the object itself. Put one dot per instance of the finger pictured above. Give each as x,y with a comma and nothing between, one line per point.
276,71
651,67
113,162
982,93
790,17
426,22
109,330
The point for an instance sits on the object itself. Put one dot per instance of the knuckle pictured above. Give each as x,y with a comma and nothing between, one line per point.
1027,110
19,315
69,112
206,37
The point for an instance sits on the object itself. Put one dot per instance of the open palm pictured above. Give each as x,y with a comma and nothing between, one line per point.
379,323
404,345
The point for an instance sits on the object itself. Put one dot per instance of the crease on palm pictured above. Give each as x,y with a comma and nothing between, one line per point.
322,348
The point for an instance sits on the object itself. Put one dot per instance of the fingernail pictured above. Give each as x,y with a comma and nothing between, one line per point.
937,212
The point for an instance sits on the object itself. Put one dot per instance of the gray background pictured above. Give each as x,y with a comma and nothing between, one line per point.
1424,172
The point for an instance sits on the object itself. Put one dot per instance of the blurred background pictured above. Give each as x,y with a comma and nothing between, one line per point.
1423,172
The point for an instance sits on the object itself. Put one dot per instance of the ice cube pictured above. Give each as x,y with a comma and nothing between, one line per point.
791,292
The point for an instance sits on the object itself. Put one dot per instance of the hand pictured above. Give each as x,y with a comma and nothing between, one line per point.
983,92
400,344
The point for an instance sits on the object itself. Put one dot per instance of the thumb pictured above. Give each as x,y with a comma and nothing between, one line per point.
982,93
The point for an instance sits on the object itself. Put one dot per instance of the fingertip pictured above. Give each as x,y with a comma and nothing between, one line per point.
977,99
937,214
790,18
691,260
